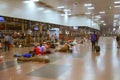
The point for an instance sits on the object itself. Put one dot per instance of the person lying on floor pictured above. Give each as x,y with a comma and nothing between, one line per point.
27,55
64,48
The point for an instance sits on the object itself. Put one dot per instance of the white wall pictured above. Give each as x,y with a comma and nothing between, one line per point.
31,11
83,21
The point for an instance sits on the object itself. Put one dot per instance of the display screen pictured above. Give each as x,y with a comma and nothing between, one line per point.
36,28
1,19
75,27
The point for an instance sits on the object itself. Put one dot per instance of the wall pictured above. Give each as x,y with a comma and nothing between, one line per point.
31,11
83,21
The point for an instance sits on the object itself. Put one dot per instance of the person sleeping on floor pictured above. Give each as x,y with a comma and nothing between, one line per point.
64,48
26,55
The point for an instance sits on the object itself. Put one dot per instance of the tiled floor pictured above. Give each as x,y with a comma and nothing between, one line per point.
82,64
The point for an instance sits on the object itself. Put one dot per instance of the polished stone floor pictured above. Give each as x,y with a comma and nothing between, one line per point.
82,64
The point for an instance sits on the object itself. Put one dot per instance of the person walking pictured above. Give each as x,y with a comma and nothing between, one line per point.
93,40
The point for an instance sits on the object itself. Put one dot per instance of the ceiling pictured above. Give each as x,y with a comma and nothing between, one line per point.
77,8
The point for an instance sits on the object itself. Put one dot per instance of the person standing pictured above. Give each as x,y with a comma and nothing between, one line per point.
118,41
93,40
10,41
6,42
52,38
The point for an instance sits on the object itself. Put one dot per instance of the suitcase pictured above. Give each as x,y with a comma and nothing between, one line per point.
97,48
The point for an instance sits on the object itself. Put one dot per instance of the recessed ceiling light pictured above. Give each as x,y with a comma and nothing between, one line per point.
67,10
30,1
102,21
98,17
91,8
69,14
117,6
114,24
88,13
114,29
87,5
114,20
116,16
61,7
34,0
104,24
116,2
102,12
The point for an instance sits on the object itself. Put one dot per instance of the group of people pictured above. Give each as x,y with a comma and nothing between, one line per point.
7,42
41,49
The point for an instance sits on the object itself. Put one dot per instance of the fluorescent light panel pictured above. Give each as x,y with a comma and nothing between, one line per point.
115,21
102,12
116,16
98,17
117,6
104,24
34,0
117,2
102,21
88,13
91,8
87,5
60,7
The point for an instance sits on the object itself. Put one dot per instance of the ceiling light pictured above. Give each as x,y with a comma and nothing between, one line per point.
116,16
27,2
117,6
34,0
102,21
67,10
88,13
98,16
115,21
114,29
114,24
30,1
104,24
69,14
60,7
116,2
87,5
102,12
91,8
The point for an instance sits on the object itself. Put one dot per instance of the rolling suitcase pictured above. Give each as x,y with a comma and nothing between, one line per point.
97,48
